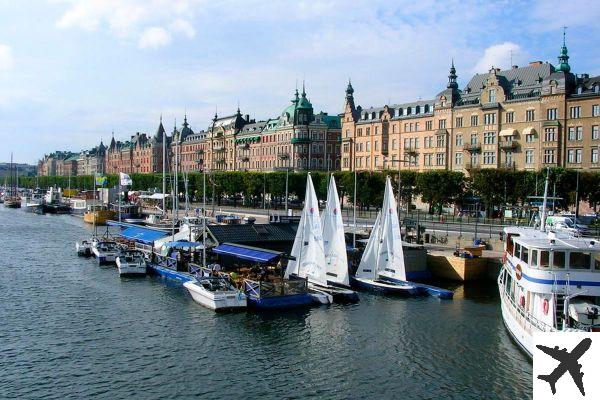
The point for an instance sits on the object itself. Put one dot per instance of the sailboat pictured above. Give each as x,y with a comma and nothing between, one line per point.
382,264
12,200
308,253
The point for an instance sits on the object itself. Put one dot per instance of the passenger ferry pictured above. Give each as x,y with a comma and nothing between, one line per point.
549,281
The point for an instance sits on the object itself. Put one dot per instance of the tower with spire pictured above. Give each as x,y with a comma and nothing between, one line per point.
563,58
452,83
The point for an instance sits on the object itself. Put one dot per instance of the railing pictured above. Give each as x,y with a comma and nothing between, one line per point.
200,151
245,159
411,150
472,147
509,164
508,145
283,156
300,140
264,289
165,261
219,148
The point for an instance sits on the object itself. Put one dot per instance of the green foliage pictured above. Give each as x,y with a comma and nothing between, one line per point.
439,187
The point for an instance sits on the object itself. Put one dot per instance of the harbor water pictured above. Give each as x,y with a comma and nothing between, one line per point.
71,329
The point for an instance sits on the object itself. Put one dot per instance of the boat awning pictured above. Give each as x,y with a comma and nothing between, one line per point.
142,235
183,244
530,130
246,252
508,132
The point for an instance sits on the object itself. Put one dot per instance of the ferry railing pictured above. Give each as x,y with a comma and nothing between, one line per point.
527,318
165,261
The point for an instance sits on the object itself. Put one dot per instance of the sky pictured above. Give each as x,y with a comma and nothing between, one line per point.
73,71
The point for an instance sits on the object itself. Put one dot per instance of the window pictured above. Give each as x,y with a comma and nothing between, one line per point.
376,145
416,126
359,132
579,133
525,255
489,157
580,260
458,158
594,156
558,259
595,132
474,159
489,138
474,120
428,125
550,135
368,131
549,156
442,124
596,109
518,251
529,115
510,117
571,133
551,114
427,159
394,144
544,259
492,95
459,122
534,258
440,159
368,146
529,156
459,141
473,138
489,118
376,130
376,161
441,141
575,112
529,138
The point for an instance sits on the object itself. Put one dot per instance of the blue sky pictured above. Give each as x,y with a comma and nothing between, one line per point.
73,71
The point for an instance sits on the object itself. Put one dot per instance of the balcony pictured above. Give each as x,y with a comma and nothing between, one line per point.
200,152
412,150
218,149
508,165
508,145
300,140
220,160
199,161
245,159
471,166
244,146
283,156
472,147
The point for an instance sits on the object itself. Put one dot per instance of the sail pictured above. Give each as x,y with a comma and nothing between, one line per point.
391,256
368,262
334,241
308,244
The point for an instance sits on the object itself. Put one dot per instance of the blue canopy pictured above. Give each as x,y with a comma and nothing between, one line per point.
246,252
183,243
142,235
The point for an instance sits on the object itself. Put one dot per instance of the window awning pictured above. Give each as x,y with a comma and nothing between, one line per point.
508,132
142,235
246,252
530,130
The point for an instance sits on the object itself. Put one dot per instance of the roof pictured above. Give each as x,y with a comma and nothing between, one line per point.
142,235
246,233
247,252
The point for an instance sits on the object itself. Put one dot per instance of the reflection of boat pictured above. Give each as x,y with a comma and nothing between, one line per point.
106,252
98,215
131,263
549,282
215,292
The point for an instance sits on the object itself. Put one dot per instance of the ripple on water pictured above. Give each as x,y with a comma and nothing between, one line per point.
70,329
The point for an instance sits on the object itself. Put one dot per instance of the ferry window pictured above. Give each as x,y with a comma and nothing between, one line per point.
558,259
517,250
579,260
525,254
534,258
597,261
544,259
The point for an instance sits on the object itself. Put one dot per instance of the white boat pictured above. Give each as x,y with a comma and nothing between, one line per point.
157,222
106,252
549,282
216,293
308,255
131,263
84,248
79,206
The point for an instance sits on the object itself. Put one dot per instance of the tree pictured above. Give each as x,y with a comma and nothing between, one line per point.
438,188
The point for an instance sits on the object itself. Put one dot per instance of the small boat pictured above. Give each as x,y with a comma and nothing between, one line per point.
78,206
216,293
12,202
98,215
131,263
106,252
84,248
319,296
158,222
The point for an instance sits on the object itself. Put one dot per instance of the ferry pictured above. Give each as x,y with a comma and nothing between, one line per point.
549,282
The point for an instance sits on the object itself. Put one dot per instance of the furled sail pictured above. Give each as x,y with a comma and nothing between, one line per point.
308,244
334,241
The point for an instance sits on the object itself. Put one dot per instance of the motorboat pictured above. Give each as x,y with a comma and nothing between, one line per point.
131,263
158,222
84,248
548,282
106,252
216,292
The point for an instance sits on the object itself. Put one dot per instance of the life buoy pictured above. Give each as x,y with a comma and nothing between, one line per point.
545,306
519,272
504,258
522,301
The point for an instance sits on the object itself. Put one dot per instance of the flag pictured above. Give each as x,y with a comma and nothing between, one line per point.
101,180
125,179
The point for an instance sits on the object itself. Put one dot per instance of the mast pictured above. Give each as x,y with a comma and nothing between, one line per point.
354,213
203,217
164,177
543,217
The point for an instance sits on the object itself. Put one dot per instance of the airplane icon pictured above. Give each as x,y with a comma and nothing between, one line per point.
568,362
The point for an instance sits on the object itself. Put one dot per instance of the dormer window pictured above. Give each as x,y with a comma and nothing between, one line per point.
418,110
580,90
408,111
426,108
596,88
400,112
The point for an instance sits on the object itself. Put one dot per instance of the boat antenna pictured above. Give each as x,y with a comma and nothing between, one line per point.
545,202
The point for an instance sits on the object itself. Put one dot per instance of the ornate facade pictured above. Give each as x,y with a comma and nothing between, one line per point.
528,117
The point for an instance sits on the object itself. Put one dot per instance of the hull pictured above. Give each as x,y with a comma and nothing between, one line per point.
384,287
56,209
339,294
424,289
12,204
131,269
99,217
167,273
218,301
280,302
105,258
516,324
83,250
34,208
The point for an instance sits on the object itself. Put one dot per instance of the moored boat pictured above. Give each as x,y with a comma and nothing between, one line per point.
131,263
106,252
98,215
84,248
215,292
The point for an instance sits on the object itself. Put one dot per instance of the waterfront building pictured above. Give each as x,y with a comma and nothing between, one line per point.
529,117
92,161
58,163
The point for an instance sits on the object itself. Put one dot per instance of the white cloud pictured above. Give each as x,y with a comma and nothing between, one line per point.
499,56
6,57
183,26
154,37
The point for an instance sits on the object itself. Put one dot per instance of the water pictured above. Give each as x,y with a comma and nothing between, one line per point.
71,329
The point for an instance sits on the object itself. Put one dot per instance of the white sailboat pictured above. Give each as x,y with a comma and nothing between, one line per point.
307,252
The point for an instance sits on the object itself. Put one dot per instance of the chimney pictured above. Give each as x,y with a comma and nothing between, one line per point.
535,63
247,117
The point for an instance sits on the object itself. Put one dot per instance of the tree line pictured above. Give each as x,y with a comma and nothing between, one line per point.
492,187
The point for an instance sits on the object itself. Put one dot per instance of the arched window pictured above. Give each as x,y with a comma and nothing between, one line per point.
418,110
596,88
426,108
579,89
400,112
373,115
408,111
